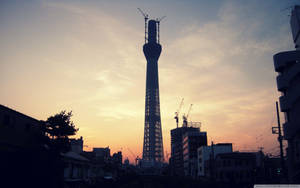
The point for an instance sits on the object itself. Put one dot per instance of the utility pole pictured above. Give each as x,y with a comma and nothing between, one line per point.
277,130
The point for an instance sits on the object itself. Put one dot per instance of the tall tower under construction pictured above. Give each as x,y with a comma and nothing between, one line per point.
153,143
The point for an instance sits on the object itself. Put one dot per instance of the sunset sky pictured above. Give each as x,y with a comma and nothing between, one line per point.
86,56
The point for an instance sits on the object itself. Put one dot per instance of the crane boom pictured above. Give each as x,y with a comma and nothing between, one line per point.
189,111
135,157
160,19
145,15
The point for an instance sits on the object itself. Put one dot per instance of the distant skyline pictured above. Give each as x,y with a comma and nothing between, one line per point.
86,56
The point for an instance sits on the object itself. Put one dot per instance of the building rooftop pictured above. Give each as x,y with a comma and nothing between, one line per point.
19,113
237,155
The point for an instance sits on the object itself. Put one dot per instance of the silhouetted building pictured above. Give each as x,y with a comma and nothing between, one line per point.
117,158
102,154
191,141
77,169
19,131
25,156
153,152
237,167
205,153
176,160
77,145
272,172
288,82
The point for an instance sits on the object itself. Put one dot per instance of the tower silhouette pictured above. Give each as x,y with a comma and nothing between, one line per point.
153,143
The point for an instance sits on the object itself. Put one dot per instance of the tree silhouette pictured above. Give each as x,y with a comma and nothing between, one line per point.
59,127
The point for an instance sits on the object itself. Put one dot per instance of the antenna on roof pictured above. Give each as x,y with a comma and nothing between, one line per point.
158,22
146,17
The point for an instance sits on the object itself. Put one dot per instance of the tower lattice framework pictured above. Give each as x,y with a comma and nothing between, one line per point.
153,142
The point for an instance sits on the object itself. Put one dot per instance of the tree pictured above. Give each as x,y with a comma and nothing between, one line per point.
59,127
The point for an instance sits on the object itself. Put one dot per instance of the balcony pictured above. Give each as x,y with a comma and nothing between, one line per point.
282,83
284,104
290,130
286,132
281,59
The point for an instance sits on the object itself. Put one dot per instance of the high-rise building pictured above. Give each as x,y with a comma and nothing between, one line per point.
191,141
287,64
176,160
153,143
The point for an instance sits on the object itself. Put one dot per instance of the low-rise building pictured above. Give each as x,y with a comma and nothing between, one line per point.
76,145
19,131
77,169
205,153
117,158
102,153
238,167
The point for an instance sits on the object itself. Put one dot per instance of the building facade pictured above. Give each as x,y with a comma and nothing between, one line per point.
19,131
238,167
102,154
176,159
117,158
191,142
76,145
205,153
287,64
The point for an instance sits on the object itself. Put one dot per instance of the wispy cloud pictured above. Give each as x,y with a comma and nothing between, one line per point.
80,56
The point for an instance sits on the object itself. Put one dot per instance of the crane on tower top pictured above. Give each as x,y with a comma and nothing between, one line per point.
185,117
146,17
178,111
189,111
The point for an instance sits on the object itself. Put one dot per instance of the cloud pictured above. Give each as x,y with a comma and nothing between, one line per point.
81,56
225,69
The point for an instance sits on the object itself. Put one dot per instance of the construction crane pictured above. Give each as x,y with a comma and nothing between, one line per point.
134,157
178,111
185,117
146,17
